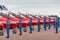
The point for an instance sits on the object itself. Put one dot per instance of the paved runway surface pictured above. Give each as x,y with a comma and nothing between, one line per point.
42,35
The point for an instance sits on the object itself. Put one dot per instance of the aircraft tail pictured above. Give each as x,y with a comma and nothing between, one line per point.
2,7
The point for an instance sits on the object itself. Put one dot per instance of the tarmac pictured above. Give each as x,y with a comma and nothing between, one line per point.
35,35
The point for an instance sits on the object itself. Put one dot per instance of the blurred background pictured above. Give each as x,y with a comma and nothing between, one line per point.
44,7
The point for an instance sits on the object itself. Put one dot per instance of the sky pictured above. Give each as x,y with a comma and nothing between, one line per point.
45,7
